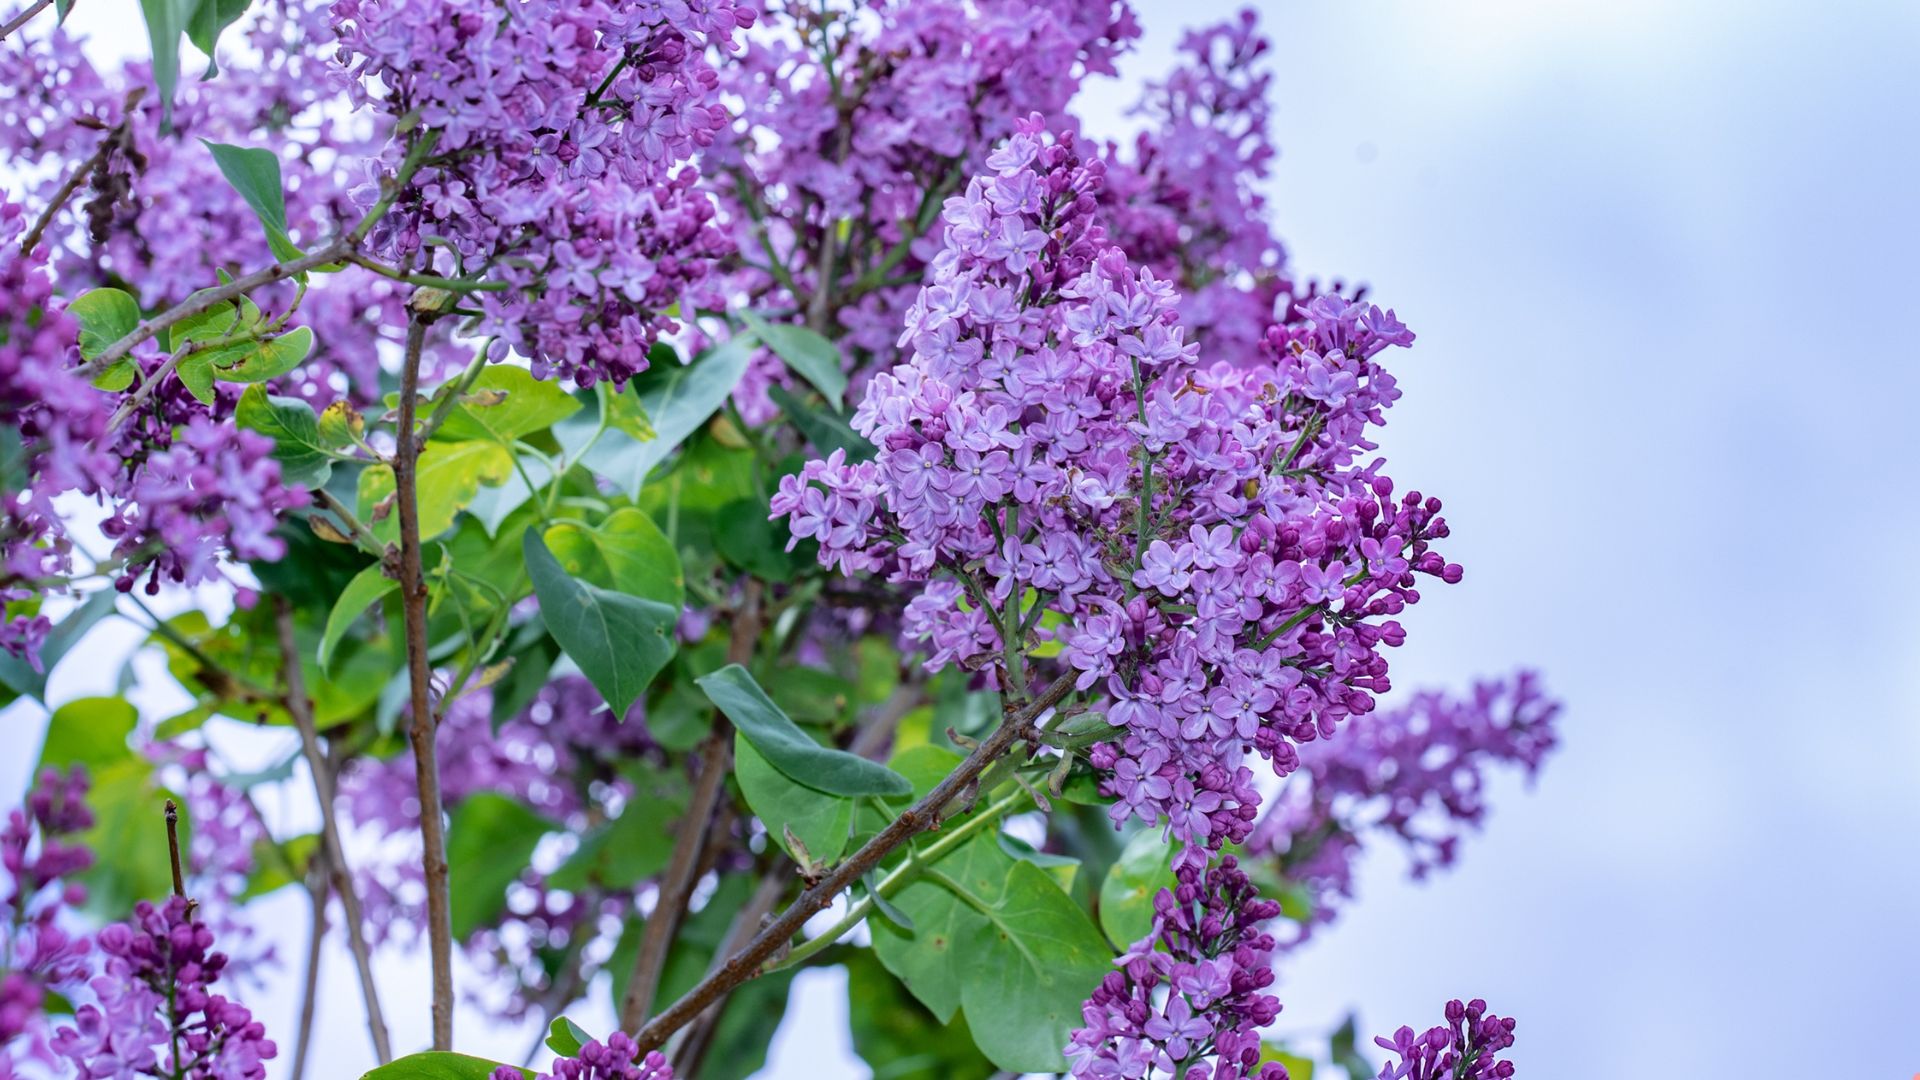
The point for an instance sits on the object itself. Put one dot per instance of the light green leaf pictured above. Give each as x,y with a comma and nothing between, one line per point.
450,475
1028,968
822,822
298,446
437,1065
1144,868
90,732
262,359
253,172
623,412
490,840
620,642
526,405
366,589
1298,1068
626,553
270,873
565,1038
811,356
678,400
105,316
788,748
128,821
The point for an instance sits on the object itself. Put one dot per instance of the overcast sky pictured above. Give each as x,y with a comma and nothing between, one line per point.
1659,256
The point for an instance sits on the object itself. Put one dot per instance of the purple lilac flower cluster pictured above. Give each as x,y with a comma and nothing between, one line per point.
40,955
1190,991
618,1058
1224,569
156,1012
561,132
867,115
1463,1049
1417,772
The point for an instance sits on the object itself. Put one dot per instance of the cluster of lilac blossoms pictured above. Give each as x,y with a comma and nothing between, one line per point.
1224,569
556,138
40,955
1417,773
1189,991
1463,1049
616,1059
156,1012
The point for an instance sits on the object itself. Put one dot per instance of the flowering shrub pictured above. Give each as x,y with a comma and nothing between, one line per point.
674,480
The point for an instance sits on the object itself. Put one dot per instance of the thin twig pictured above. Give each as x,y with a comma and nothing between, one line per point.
332,850
310,989
23,18
173,849
676,885
116,137
746,963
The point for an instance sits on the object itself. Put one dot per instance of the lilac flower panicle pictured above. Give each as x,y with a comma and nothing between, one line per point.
41,956
618,1058
1465,1048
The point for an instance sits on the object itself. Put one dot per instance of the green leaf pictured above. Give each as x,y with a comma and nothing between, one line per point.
490,840
525,405
1345,1054
1298,1068
826,431
678,399
925,960
1028,968
748,540
253,172
623,412
437,1065
105,316
19,676
298,446
204,29
565,1038
340,424
263,359
632,847
366,589
449,476
811,356
90,732
127,821
1144,868
822,822
620,642
788,748
167,20
899,1038
626,552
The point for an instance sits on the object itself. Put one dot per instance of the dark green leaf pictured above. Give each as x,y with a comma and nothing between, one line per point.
253,172
678,400
490,840
1144,868
167,20
748,540
295,431
826,431
822,822
811,356
204,29
788,748
620,642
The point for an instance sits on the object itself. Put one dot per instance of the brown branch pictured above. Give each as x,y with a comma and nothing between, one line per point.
683,869
332,850
23,18
925,814
421,732
173,850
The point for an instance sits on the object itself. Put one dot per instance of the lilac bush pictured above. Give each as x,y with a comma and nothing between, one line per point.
665,470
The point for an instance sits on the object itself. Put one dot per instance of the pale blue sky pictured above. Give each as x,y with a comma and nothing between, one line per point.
1659,257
